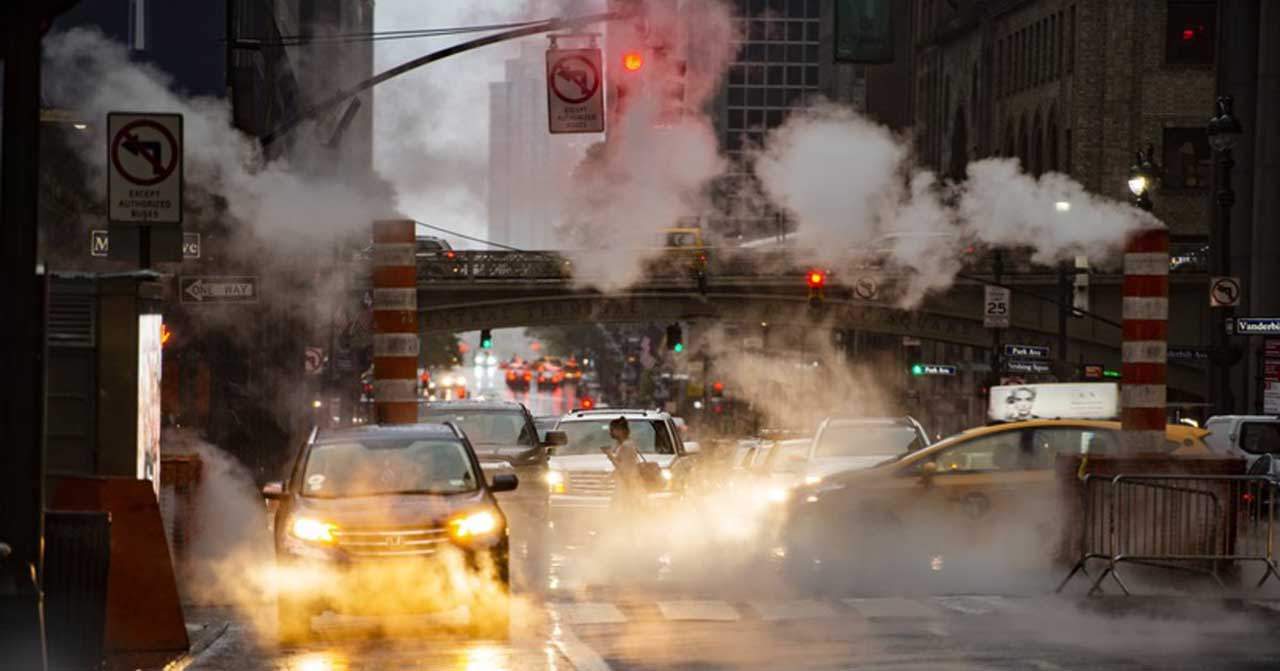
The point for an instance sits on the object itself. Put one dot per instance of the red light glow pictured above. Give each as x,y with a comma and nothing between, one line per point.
817,278
1188,34
632,61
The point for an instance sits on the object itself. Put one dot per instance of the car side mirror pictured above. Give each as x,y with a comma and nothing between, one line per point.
555,439
927,470
273,491
504,483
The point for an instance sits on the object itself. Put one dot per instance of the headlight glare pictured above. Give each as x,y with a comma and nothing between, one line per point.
812,479
555,482
475,524
312,530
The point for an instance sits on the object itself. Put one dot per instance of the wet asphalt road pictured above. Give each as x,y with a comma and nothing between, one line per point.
646,607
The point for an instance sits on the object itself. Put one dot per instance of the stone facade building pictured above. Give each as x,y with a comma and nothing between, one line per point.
1073,86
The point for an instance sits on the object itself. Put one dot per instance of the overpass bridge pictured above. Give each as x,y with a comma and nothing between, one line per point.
472,290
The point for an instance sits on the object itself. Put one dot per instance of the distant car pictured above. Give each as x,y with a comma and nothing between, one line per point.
373,508
846,444
499,430
580,475
518,377
426,244
1254,438
550,375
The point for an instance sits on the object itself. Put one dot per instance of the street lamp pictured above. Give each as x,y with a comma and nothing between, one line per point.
1143,178
1224,130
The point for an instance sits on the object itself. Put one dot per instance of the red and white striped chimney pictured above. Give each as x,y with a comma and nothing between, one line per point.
395,322
1146,341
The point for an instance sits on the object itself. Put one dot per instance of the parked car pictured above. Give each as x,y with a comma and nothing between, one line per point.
1254,438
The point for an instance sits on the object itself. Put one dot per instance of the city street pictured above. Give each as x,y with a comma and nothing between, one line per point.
653,614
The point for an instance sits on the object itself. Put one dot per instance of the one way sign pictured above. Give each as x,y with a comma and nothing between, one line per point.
218,289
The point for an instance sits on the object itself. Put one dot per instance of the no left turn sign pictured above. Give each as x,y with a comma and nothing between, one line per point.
575,100
1224,292
144,168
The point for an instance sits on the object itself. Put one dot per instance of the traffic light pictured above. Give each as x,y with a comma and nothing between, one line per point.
917,369
633,60
675,338
586,403
486,339
717,388
817,281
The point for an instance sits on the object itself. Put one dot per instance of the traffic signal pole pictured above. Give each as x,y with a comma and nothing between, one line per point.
22,403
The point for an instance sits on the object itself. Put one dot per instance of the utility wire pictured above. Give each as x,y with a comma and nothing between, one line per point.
382,35
464,236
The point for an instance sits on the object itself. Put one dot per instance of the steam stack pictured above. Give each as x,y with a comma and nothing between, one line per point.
1146,341
395,322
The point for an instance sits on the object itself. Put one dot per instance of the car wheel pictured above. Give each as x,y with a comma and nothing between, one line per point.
293,620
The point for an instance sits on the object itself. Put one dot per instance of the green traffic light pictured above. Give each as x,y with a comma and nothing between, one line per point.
917,370
679,347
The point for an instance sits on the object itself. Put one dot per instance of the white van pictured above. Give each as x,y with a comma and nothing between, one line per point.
1255,438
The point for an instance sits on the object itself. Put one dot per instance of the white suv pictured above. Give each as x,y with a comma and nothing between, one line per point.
580,475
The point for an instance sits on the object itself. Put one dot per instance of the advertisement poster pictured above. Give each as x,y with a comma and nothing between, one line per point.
1013,403
149,359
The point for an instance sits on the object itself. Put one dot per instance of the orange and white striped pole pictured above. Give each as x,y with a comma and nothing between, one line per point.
395,322
1145,348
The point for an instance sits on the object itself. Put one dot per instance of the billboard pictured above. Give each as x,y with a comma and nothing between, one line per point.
149,360
1094,400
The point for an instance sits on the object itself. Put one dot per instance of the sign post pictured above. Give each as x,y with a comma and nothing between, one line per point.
575,91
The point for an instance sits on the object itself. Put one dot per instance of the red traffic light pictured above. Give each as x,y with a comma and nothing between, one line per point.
587,403
816,279
632,61
717,387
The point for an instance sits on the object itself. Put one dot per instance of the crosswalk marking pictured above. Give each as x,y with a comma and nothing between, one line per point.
584,612
715,611
804,609
973,605
891,607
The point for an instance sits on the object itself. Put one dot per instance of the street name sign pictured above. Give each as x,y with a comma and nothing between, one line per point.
938,369
1187,354
1027,351
575,91
224,289
1021,366
995,313
144,168
1258,325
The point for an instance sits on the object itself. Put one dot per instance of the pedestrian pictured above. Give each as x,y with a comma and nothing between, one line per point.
629,488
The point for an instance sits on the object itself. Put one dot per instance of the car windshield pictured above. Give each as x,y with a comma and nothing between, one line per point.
588,436
782,454
486,427
390,466
867,440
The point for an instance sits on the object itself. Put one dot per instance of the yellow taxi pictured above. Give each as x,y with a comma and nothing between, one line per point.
686,245
988,490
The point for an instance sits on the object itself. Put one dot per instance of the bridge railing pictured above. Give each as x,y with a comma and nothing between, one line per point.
725,262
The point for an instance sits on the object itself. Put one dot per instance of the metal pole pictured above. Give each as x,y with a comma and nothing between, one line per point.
22,404
1064,315
1226,198
997,359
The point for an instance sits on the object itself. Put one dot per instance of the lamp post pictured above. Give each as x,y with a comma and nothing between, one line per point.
1142,179
1224,130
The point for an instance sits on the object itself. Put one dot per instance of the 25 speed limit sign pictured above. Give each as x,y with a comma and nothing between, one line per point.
995,310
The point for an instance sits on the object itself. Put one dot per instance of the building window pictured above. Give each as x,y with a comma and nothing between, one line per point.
1189,32
1187,160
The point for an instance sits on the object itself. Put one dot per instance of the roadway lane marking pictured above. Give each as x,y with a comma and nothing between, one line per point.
579,654
973,605
714,611
586,612
891,607
804,609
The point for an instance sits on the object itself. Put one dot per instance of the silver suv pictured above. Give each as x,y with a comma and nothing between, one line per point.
580,475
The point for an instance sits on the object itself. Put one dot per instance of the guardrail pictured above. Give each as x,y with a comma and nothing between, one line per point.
1198,524
724,262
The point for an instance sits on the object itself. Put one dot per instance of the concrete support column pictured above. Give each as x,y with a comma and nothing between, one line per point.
395,322
1263,288
1146,341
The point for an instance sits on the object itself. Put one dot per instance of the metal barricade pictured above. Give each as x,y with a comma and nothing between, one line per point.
77,558
1198,524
